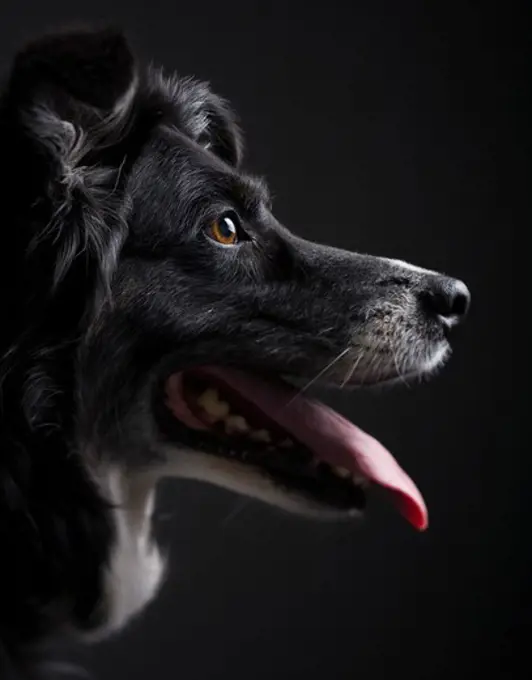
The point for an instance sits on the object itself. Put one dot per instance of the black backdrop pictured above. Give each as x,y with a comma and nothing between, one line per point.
415,112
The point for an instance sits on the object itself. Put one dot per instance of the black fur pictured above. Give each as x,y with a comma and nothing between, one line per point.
108,283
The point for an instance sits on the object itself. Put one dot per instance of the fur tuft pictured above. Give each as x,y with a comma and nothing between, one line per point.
202,115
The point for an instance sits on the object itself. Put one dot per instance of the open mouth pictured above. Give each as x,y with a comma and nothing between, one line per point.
300,444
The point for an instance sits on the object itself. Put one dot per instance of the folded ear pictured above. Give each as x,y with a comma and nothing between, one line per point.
69,97
92,68
220,133
70,93
201,114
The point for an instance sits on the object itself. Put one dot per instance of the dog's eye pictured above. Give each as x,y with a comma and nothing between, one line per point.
225,230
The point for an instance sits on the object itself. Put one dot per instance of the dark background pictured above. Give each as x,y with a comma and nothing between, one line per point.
399,129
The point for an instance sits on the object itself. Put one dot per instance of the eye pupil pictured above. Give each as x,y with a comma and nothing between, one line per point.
224,230
228,227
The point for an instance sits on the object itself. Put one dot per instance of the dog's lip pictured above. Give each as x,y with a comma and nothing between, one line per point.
290,466
328,435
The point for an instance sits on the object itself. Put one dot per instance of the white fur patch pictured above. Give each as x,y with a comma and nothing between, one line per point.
136,568
437,358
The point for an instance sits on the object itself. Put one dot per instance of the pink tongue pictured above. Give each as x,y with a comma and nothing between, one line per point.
332,438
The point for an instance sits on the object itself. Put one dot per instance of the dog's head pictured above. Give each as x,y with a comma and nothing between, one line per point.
164,313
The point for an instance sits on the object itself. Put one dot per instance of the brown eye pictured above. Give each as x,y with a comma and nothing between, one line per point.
225,230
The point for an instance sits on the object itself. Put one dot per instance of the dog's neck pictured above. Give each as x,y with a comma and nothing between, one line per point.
136,567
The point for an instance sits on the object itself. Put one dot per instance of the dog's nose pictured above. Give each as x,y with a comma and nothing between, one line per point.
446,298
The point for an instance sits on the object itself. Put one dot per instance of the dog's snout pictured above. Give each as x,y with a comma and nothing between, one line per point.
446,298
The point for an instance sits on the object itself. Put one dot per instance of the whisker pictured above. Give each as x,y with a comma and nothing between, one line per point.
375,358
236,510
396,364
318,376
351,370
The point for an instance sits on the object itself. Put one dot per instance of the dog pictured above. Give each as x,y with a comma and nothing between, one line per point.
158,321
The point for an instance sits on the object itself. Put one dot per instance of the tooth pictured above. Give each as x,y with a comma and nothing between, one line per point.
260,436
210,396
359,480
212,405
236,424
287,444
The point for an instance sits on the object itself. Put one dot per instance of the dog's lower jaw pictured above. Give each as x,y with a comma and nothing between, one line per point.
244,480
136,568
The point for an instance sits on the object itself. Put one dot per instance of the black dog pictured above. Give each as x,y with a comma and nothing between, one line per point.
154,313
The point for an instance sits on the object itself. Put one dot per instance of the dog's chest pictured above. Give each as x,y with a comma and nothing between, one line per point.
136,567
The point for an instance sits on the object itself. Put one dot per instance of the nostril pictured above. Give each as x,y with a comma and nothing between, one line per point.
447,298
461,299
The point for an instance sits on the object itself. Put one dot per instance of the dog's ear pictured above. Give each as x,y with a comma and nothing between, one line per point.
68,102
69,94
81,69
201,114
219,130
